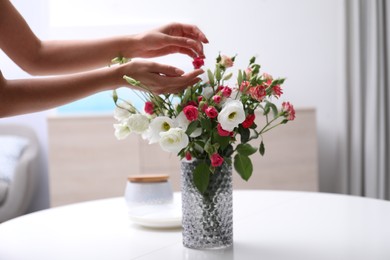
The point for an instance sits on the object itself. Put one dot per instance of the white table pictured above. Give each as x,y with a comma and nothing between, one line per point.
267,225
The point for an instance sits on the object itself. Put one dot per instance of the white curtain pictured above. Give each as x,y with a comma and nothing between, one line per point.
367,118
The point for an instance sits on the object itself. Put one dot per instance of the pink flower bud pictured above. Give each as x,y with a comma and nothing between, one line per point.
217,99
226,61
198,62
149,108
188,156
216,160
226,92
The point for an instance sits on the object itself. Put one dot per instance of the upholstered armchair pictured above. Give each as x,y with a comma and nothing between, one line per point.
19,166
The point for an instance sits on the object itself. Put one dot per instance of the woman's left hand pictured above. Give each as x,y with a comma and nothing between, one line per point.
172,38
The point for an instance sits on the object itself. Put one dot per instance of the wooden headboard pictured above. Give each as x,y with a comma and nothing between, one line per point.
86,161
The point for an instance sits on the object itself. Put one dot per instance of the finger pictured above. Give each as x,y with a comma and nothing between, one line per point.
184,80
193,32
185,43
168,70
172,50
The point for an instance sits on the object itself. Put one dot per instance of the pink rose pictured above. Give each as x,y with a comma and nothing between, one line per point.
226,61
217,99
149,108
211,112
277,91
223,132
191,112
258,92
198,62
248,73
226,92
267,76
216,160
250,118
244,87
289,110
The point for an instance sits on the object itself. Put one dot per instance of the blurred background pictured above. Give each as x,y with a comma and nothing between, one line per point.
313,43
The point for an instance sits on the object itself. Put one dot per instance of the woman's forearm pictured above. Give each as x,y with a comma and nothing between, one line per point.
69,56
32,95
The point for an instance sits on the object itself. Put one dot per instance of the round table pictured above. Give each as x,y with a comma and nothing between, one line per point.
267,225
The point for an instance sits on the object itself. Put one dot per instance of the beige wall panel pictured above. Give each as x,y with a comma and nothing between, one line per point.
87,162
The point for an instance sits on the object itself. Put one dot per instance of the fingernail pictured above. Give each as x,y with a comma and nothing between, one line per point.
179,71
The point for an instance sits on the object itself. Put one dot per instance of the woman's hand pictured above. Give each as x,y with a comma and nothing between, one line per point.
172,38
159,78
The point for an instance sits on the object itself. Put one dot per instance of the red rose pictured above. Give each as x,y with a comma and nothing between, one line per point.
149,108
216,160
248,121
211,112
191,112
198,62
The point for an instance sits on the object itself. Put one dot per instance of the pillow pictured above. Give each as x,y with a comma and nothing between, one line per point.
11,148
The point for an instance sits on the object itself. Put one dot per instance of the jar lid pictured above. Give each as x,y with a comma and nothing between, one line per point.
148,178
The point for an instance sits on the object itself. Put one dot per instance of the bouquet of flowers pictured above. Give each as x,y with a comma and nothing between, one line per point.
212,121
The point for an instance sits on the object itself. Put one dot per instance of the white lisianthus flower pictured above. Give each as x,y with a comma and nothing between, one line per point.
208,92
138,123
231,115
173,140
121,130
182,121
123,111
196,133
159,125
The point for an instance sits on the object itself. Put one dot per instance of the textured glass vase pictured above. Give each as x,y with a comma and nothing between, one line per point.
208,217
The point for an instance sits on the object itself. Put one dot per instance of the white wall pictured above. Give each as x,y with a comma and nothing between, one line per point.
298,39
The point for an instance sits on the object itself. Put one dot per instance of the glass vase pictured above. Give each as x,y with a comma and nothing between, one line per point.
207,217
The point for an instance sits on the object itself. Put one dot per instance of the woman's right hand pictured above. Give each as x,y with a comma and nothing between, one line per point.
159,78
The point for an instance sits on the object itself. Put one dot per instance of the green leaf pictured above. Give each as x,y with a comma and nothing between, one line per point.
262,148
223,141
211,77
206,124
192,127
201,176
246,149
243,166
209,148
229,150
218,73
245,134
274,109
